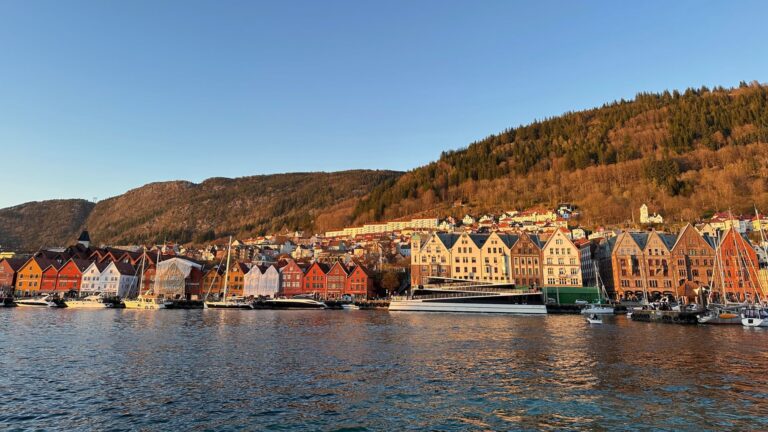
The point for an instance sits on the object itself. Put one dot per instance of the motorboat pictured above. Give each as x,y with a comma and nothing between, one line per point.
595,308
594,319
95,301
295,303
754,317
234,303
350,306
41,301
146,303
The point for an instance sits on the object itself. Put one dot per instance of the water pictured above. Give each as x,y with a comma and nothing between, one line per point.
373,370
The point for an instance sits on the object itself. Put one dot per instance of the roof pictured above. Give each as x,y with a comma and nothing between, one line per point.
668,239
641,238
509,239
479,239
448,239
84,237
125,268
15,263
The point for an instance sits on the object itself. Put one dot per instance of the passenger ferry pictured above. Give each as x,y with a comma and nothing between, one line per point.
458,295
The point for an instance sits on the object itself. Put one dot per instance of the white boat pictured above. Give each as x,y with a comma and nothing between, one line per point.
721,315
458,295
90,302
597,307
224,302
754,317
350,306
295,303
594,319
146,303
42,301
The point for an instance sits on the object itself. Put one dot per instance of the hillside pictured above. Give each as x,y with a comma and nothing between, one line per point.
31,225
685,154
188,212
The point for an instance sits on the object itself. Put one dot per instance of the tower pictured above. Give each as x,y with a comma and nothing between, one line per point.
84,239
643,214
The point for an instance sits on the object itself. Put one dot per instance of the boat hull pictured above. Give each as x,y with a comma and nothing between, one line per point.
754,322
227,305
137,304
294,304
417,305
88,305
599,310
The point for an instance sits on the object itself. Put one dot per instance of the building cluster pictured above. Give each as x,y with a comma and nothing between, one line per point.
630,265
82,270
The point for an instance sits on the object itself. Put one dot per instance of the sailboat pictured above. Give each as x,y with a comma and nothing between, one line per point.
598,307
225,303
146,301
726,312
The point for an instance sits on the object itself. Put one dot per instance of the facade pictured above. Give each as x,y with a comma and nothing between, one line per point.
262,281
736,271
118,279
335,281
526,260
431,256
90,282
359,284
562,261
315,279
9,268
71,275
694,258
292,276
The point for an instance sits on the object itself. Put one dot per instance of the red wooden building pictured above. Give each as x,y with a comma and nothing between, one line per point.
359,283
315,279
70,275
8,270
292,279
335,281
736,269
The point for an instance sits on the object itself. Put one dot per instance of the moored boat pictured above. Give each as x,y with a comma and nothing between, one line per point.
42,301
90,302
458,295
294,303
594,319
754,317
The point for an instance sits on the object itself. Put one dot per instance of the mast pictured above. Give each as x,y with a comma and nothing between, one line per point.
141,276
226,271
157,270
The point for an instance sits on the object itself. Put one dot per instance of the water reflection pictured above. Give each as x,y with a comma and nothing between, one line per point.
212,369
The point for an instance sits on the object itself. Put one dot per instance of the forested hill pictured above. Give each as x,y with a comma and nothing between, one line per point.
685,154
187,212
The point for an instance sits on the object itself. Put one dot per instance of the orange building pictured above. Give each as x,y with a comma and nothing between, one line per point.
736,270
30,276
694,258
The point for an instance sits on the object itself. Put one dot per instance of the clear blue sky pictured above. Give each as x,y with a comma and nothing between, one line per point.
98,97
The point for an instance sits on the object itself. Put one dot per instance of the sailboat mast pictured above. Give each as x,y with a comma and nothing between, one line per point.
226,271
141,275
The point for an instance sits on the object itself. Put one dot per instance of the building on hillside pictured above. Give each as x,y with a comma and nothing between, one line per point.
646,218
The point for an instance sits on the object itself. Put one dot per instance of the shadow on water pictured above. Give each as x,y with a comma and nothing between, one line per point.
372,370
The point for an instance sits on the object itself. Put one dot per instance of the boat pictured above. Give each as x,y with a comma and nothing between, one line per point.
458,295
95,301
754,317
224,302
41,301
146,301
721,314
294,303
594,319
350,306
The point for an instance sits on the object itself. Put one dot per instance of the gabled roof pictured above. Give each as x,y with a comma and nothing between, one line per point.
15,263
509,240
125,268
448,239
479,239
640,238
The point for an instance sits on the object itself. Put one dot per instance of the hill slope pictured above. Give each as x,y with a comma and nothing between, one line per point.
34,224
188,212
683,154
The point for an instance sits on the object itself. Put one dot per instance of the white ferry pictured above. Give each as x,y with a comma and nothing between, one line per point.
457,295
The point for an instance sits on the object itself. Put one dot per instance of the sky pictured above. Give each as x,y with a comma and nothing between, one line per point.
99,97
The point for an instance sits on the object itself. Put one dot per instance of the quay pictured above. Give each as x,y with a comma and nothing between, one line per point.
665,317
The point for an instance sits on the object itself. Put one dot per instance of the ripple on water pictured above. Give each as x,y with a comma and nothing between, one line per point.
315,370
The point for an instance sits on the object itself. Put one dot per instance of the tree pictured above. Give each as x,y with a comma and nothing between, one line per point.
390,281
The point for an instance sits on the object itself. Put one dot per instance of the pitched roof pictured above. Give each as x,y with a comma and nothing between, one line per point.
641,238
509,239
448,239
479,239
668,239
125,268
15,263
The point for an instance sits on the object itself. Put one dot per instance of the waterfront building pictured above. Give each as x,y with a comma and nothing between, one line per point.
694,258
525,259
562,261
262,281
49,276
118,279
292,279
9,268
90,282
181,278
736,271
335,281
431,256
315,279
643,263
359,283
71,274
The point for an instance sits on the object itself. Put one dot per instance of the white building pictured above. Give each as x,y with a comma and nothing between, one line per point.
262,281
90,282
118,279
645,218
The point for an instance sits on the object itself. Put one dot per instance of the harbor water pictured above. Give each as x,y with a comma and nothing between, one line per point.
373,370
